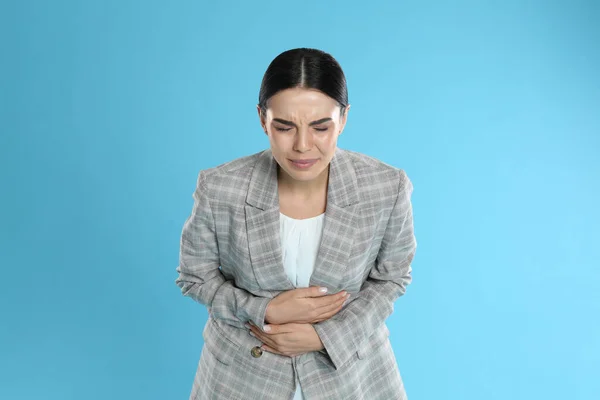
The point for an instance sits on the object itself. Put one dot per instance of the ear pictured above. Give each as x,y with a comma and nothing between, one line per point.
344,119
261,119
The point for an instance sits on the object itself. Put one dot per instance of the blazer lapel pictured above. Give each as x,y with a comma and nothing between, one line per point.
263,232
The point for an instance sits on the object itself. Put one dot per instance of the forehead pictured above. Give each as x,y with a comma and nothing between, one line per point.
300,103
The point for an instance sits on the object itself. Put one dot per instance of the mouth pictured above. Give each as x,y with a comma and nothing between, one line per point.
304,163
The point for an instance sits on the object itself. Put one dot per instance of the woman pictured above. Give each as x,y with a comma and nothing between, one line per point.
268,231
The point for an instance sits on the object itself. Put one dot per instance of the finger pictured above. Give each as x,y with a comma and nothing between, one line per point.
272,350
263,338
327,315
327,310
270,329
277,329
313,291
257,332
332,299
331,306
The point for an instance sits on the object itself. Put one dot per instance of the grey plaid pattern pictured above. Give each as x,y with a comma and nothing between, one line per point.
230,261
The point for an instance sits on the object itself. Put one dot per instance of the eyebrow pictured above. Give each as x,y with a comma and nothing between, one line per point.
290,123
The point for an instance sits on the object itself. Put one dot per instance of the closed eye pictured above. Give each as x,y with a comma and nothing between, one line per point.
280,129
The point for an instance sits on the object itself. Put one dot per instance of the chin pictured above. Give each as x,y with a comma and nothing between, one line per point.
305,175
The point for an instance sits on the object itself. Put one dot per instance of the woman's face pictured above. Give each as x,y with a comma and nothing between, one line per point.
303,124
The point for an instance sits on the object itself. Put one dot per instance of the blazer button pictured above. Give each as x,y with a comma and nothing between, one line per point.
256,351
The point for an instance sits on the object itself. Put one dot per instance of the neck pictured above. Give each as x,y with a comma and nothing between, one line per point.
303,188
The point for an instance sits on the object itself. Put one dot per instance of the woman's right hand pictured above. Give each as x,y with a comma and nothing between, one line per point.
304,305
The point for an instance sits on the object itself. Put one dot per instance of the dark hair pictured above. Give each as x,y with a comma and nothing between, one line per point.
305,68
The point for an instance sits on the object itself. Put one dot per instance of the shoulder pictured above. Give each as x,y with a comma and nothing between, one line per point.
237,166
229,177
375,174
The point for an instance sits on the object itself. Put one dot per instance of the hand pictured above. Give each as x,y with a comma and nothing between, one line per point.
304,306
288,339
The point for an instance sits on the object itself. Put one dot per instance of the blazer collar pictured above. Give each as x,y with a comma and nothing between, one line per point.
262,215
342,187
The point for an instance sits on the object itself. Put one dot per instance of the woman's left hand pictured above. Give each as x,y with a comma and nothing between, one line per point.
288,339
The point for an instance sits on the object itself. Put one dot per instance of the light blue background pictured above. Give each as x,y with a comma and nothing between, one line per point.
109,109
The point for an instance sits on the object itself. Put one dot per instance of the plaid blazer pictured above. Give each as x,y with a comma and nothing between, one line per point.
231,262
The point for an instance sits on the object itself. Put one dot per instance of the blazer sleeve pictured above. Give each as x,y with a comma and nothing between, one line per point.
199,275
347,330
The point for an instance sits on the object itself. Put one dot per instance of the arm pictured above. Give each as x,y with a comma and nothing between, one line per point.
199,275
345,332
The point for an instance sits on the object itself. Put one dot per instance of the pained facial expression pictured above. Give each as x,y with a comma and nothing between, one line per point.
303,124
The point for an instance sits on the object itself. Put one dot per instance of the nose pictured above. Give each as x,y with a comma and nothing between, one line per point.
303,140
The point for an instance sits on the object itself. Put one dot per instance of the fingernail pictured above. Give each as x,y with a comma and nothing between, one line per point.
252,333
247,325
323,290
267,328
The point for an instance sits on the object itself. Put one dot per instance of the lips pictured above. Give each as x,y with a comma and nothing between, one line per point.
306,163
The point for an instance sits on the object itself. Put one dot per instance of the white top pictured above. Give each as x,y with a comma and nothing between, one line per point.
300,240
